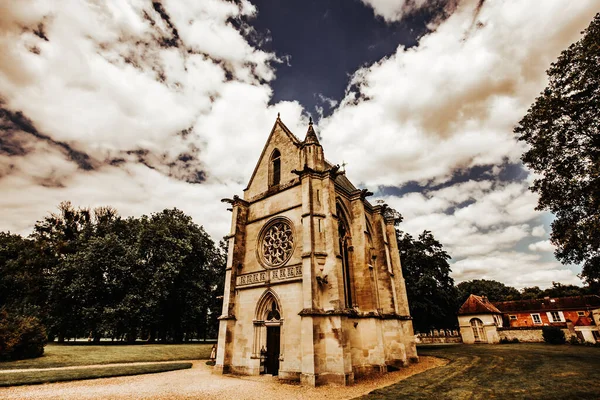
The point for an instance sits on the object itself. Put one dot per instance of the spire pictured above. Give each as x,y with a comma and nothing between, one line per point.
311,136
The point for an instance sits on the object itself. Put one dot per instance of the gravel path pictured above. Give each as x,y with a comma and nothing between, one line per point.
10,371
199,383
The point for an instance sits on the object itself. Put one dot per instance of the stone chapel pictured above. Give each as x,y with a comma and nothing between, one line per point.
314,289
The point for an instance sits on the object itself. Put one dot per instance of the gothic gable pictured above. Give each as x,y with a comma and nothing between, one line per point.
279,157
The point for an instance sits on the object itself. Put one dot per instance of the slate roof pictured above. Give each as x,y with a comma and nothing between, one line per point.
345,183
549,304
478,305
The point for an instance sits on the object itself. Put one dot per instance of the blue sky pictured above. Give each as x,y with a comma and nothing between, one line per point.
144,105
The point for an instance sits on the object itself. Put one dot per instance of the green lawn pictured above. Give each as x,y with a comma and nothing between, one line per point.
64,355
507,371
27,377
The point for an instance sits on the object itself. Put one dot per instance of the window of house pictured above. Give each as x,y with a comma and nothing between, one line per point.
512,317
536,319
581,313
555,316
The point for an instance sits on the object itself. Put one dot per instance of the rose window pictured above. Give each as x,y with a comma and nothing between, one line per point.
277,244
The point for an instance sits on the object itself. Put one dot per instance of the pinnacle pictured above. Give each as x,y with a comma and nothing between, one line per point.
311,136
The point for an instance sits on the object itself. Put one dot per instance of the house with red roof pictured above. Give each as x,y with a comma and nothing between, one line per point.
482,321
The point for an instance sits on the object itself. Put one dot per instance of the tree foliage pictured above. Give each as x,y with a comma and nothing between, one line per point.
92,273
20,336
497,291
432,297
562,128
493,290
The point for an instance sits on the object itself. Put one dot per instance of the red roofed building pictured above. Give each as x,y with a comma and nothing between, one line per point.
482,321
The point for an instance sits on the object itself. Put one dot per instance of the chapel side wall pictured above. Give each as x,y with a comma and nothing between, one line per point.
395,338
366,346
380,266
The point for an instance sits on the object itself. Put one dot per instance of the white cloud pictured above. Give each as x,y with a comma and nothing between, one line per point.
130,102
515,269
543,245
395,10
127,101
451,102
538,231
447,105
481,224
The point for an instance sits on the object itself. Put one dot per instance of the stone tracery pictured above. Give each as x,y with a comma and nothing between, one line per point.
277,244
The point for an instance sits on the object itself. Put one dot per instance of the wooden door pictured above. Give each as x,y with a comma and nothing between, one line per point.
273,342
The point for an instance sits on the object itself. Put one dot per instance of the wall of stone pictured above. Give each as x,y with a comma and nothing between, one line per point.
528,335
436,336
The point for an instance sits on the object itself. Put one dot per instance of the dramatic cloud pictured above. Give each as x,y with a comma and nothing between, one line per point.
148,104
395,10
430,113
112,102
481,225
451,102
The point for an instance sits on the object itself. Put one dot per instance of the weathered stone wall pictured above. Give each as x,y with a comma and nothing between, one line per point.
523,335
528,335
438,336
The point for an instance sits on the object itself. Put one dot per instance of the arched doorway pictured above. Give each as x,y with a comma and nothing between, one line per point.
478,331
268,326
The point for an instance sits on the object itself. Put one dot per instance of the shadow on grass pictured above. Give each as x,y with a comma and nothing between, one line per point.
510,371
39,377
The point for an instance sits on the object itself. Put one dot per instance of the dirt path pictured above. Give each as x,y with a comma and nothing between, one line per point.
9,371
199,383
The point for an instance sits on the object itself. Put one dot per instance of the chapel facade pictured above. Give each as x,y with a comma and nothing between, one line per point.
314,289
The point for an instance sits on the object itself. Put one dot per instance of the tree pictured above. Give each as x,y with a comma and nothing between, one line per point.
493,290
22,285
560,290
530,293
562,128
432,297
58,237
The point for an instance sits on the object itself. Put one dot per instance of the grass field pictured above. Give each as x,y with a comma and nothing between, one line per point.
508,371
65,355
27,377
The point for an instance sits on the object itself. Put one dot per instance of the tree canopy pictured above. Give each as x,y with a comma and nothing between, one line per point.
493,290
562,128
432,297
90,272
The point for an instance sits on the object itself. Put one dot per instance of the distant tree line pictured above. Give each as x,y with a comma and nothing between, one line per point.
433,298
92,273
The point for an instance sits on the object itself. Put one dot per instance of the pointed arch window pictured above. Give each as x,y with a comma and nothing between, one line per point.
275,168
344,247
